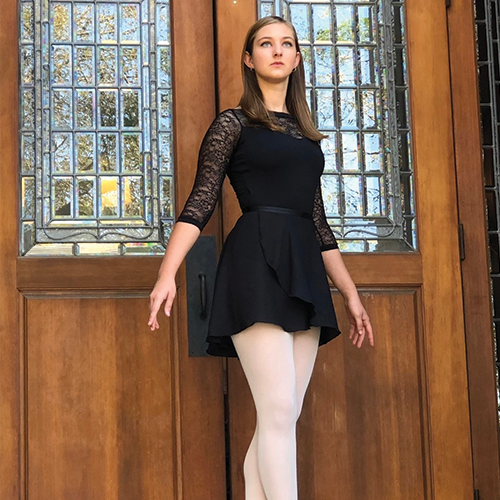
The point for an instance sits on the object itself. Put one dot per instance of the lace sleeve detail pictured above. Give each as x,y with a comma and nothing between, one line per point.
324,233
213,159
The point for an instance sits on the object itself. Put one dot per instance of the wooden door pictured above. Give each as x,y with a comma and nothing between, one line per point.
472,67
389,422
93,404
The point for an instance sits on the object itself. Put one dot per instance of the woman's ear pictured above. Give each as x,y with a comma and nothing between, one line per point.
248,60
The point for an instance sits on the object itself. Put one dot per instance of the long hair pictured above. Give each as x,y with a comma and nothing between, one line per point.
252,100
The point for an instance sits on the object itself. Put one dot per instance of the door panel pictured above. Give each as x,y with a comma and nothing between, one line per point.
390,421
97,394
94,404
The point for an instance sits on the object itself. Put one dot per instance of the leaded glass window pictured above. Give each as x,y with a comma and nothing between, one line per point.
96,126
354,54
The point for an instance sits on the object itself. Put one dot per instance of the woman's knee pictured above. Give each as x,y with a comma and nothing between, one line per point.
279,412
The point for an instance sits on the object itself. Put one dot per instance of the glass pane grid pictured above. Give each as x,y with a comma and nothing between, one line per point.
95,113
354,55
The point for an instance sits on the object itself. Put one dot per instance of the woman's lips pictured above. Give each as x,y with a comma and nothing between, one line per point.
277,64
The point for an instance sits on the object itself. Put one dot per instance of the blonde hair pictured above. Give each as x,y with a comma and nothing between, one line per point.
252,100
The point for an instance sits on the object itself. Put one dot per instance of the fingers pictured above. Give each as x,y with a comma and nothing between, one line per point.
169,302
352,330
356,330
157,298
154,306
360,329
370,331
358,338
354,333
155,325
153,322
359,324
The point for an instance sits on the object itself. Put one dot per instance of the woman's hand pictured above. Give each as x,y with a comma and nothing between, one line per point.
360,322
164,290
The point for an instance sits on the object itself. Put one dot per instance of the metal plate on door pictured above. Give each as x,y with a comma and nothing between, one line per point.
201,266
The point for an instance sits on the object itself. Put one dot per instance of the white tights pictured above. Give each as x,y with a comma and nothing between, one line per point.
278,366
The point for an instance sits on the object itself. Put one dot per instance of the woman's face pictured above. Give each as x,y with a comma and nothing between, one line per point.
274,54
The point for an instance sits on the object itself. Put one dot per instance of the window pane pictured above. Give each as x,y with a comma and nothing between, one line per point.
354,56
96,117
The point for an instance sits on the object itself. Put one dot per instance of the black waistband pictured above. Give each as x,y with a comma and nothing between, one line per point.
278,210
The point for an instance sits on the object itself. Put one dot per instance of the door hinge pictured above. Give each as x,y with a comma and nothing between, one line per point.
476,495
447,3
461,241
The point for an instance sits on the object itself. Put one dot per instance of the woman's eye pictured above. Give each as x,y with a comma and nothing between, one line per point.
264,43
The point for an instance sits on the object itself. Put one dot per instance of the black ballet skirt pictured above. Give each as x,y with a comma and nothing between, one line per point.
270,268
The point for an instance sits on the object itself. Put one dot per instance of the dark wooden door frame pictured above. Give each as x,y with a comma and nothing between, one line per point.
475,266
10,396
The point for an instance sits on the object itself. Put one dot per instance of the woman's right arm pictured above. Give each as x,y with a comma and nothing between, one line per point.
213,158
182,238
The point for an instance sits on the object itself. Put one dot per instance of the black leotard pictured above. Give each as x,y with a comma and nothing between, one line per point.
270,268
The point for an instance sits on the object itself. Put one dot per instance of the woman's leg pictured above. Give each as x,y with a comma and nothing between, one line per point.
266,356
305,349
253,484
266,384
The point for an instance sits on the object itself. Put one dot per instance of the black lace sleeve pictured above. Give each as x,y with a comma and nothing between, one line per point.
213,159
324,233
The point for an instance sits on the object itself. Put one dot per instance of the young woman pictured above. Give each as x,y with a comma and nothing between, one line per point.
272,306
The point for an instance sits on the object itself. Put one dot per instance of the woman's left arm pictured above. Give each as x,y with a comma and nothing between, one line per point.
338,273
336,270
